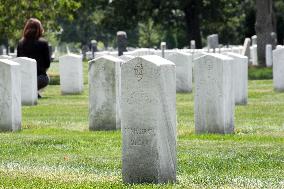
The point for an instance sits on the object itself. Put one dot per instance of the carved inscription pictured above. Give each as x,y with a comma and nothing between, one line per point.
138,70
141,97
140,137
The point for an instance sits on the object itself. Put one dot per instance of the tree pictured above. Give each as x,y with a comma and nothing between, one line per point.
264,25
13,15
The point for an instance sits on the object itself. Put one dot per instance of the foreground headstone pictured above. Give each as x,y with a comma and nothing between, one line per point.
183,62
28,80
214,94
240,73
278,69
104,93
148,115
71,74
268,55
10,96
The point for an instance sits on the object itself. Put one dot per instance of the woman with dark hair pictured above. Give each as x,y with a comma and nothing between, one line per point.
32,45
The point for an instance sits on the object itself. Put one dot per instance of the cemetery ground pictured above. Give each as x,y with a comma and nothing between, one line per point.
55,149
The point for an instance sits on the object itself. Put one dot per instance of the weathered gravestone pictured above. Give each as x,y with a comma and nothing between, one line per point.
183,62
246,48
213,42
240,77
148,117
268,55
10,96
104,93
28,80
163,48
253,53
254,40
192,44
278,69
71,74
214,94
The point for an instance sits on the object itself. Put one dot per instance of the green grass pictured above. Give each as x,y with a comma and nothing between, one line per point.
259,73
56,150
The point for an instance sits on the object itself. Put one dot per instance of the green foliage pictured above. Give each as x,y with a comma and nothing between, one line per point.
84,20
13,15
149,34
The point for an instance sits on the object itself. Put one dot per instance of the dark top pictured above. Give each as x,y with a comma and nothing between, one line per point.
35,49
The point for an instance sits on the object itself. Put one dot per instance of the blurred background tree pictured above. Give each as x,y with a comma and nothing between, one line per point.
146,22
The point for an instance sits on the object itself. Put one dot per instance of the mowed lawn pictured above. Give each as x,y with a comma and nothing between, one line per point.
55,149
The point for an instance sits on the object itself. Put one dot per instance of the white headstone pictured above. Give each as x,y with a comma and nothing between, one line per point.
28,80
10,96
192,44
246,48
268,55
213,42
104,93
253,53
71,74
278,69
240,73
254,40
214,94
183,62
163,48
148,117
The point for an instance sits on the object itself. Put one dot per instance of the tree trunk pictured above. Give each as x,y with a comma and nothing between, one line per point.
263,27
192,18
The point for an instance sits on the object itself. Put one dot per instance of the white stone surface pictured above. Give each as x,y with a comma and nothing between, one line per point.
214,94
71,74
5,57
126,57
213,42
254,40
183,62
253,53
246,48
10,96
240,76
268,55
278,69
140,52
104,93
148,117
28,80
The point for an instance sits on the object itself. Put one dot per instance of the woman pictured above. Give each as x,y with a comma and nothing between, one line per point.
33,46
